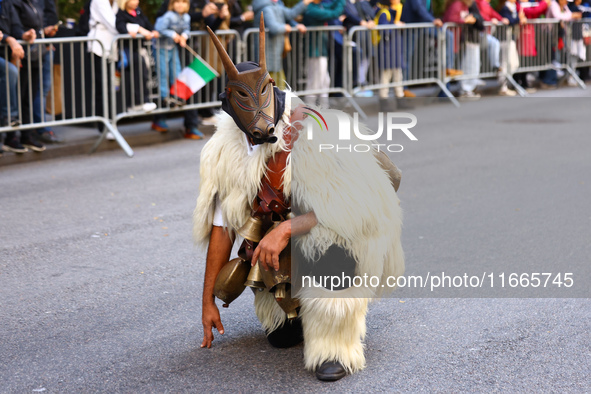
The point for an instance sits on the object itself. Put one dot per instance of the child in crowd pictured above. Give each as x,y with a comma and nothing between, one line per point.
317,14
131,20
389,49
174,27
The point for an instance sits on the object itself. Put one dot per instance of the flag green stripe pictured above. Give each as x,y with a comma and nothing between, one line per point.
203,70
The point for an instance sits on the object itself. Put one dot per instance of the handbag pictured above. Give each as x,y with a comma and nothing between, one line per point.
286,46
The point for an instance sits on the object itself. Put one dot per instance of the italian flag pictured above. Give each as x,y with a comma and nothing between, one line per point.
193,78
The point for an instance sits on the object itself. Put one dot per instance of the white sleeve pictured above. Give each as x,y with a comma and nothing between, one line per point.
218,218
101,11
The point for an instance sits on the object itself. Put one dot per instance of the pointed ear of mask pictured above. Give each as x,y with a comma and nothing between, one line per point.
262,56
226,61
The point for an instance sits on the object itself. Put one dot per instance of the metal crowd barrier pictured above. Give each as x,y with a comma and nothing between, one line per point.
580,44
140,64
60,71
322,61
314,67
538,45
410,53
478,54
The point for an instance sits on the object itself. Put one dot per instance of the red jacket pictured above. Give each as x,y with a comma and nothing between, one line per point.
487,12
456,12
536,11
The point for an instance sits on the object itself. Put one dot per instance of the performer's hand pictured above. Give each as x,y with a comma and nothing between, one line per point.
268,250
210,316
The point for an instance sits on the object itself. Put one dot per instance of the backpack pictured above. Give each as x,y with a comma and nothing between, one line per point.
83,27
376,36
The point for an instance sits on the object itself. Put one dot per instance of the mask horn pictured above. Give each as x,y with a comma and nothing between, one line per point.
262,57
226,61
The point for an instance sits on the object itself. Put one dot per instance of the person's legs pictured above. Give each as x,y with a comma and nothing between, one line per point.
313,78
494,51
324,82
8,89
39,101
163,65
471,67
397,77
30,88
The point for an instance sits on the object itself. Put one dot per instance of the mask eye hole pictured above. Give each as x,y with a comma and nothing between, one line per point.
241,94
265,89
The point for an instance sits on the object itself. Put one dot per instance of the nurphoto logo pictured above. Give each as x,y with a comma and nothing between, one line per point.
339,122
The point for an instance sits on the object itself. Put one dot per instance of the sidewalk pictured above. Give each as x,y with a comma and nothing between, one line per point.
78,140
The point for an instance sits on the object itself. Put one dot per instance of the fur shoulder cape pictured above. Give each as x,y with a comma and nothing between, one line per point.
351,195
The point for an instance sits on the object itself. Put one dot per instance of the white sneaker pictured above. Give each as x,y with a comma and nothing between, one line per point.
507,92
470,95
110,136
146,107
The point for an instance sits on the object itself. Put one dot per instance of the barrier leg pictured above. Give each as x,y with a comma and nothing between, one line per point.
118,137
571,71
448,94
521,91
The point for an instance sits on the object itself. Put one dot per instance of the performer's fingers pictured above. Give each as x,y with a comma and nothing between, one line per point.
255,256
207,338
262,259
219,326
276,262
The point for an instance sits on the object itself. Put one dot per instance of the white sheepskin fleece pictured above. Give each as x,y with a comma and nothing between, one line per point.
357,209
352,197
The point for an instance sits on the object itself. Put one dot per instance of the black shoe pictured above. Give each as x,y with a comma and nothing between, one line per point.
31,143
330,371
14,145
50,137
15,123
288,335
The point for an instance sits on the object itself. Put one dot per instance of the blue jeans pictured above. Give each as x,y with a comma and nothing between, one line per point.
39,99
170,67
11,84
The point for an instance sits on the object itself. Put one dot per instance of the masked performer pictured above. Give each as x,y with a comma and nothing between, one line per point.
256,167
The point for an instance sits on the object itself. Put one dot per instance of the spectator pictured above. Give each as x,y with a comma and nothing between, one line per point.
174,28
30,14
10,30
494,46
557,10
578,48
50,21
466,12
279,20
420,11
389,48
102,30
528,40
318,78
202,12
360,13
511,11
239,20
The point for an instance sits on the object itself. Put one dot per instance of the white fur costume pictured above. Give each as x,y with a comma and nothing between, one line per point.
336,186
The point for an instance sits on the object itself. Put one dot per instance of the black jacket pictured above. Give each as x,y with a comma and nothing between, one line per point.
30,13
123,18
10,24
49,13
472,32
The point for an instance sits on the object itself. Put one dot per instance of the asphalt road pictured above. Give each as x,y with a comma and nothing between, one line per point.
100,284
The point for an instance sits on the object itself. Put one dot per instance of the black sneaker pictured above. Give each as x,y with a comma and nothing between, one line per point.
31,143
50,137
15,146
